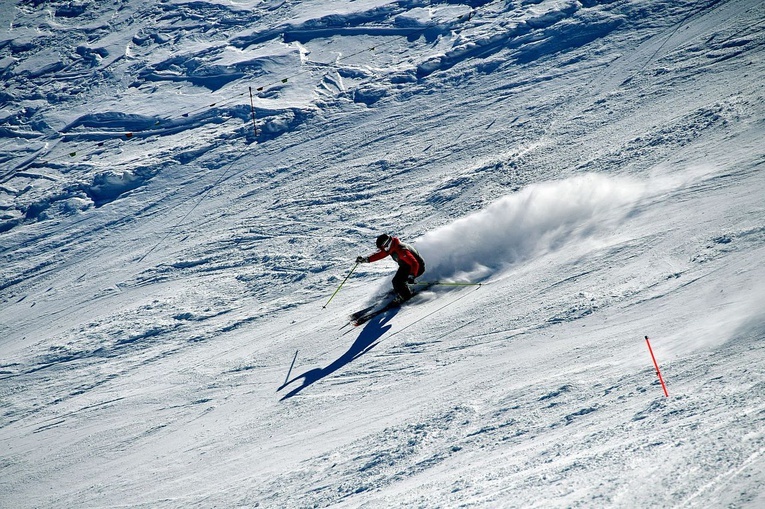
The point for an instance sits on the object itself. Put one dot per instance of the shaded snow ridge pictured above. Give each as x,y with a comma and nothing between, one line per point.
538,219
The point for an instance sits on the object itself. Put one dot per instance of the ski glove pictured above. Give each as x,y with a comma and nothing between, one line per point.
362,259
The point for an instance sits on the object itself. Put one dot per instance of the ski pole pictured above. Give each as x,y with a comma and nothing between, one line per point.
445,283
341,285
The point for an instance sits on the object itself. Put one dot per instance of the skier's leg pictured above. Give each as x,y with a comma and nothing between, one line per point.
399,283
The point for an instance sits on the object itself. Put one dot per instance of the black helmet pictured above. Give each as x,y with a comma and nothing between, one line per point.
382,240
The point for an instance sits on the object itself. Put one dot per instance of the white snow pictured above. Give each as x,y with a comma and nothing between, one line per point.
596,165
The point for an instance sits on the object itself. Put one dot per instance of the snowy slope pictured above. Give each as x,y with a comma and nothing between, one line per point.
597,165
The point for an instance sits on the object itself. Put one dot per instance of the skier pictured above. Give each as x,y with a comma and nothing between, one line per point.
410,263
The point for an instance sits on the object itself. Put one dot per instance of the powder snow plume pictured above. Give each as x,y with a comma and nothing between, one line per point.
539,218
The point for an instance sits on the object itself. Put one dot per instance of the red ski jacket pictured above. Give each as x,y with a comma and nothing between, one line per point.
401,254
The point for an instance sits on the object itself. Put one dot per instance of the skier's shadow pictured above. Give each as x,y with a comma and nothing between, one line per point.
368,339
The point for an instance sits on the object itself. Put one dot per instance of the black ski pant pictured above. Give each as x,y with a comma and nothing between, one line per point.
399,282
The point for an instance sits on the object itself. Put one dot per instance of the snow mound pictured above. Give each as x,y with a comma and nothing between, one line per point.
537,219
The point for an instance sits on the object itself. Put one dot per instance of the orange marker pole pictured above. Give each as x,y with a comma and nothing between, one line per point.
656,365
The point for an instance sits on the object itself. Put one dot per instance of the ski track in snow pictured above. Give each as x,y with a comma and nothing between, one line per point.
596,164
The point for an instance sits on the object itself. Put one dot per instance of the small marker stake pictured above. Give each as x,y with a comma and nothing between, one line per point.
656,365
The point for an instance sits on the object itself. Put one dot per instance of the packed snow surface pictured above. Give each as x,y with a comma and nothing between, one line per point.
185,184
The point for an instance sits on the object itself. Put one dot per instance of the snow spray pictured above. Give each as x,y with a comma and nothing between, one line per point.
540,218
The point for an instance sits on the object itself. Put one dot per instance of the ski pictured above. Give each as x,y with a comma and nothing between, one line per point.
366,314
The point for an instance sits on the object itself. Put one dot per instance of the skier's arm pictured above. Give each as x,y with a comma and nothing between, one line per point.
371,258
377,256
380,254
